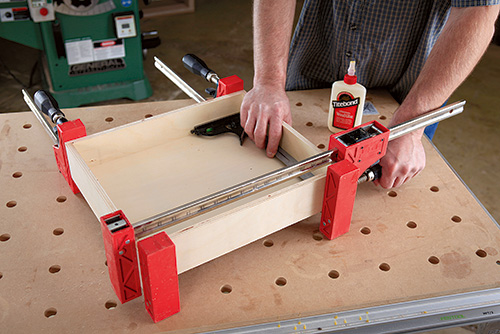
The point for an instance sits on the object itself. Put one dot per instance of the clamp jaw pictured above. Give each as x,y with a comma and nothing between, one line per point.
355,150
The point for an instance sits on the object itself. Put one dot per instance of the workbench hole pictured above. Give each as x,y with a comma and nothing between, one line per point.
434,189
17,175
309,124
280,281
54,269
268,243
226,289
148,115
4,237
382,117
365,230
317,235
433,260
321,146
298,104
27,126
22,149
392,193
1,275
109,119
411,224
58,231
481,253
110,304
61,199
456,219
333,274
384,267
498,262
11,204
50,312
106,263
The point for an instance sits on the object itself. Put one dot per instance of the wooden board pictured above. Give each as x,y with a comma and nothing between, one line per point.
52,261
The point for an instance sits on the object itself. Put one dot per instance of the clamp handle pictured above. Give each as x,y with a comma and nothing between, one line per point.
49,106
197,66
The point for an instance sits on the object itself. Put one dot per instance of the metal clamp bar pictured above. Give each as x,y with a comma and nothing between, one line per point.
231,194
38,114
424,120
178,81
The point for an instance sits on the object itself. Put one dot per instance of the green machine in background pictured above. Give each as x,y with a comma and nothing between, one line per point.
91,49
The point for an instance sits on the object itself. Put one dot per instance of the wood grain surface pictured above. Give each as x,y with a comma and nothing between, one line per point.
428,238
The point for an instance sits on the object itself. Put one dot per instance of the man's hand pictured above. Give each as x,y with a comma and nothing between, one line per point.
263,110
404,159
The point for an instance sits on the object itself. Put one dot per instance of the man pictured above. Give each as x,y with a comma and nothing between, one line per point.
420,50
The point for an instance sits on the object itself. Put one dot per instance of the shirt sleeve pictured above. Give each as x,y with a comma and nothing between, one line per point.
472,3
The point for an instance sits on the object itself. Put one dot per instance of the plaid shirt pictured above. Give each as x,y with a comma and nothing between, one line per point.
389,39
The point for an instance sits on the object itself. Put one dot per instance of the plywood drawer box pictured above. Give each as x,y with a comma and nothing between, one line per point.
156,164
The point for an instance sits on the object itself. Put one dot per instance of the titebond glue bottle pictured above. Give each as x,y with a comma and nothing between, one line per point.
347,102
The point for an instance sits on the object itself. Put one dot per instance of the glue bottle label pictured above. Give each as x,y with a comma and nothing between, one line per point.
344,110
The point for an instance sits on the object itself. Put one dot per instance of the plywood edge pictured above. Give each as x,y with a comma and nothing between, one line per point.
88,185
209,239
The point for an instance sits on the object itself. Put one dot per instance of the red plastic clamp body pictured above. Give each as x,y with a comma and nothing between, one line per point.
229,85
342,177
68,131
121,255
159,276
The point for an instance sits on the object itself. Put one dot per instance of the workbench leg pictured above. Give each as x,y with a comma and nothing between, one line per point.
338,201
159,276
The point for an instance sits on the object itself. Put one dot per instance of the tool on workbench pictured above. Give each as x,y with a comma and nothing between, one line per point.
226,124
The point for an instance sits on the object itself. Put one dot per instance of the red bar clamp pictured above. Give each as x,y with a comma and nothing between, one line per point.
355,150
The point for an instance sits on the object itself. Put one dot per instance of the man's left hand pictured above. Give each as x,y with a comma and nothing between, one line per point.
405,158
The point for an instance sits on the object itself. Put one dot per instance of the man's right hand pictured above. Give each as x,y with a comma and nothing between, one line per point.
263,110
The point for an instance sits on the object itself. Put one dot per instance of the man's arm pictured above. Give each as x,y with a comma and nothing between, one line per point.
463,41
266,106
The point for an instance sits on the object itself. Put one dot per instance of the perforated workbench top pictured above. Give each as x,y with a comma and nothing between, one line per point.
428,238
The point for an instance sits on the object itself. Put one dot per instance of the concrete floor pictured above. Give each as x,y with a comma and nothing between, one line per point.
220,33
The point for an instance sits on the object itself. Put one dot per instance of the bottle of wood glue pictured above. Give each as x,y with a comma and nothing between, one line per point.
347,102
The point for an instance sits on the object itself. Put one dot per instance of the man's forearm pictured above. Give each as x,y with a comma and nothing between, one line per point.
273,21
463,41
